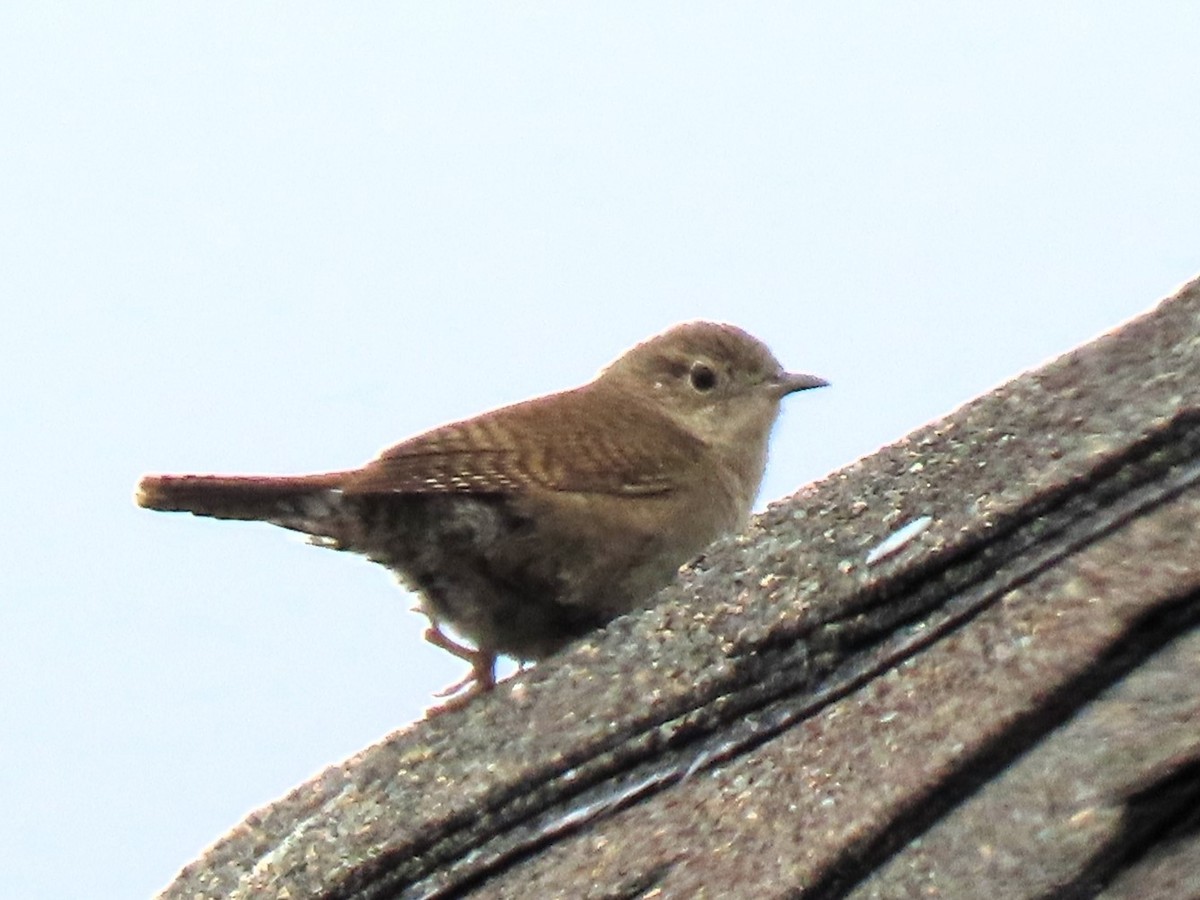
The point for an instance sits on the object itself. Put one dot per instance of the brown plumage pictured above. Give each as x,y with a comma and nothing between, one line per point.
530,525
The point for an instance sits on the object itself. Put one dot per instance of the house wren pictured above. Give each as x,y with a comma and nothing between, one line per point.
530,525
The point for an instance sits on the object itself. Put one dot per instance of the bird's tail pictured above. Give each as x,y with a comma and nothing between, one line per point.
308,503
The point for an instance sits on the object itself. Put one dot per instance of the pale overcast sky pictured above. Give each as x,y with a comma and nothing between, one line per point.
249,237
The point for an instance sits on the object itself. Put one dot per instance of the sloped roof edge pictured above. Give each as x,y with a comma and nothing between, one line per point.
1063,495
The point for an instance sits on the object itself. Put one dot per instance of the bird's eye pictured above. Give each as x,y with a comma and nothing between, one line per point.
703,377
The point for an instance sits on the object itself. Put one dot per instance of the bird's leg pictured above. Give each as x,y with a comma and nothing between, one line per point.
482,676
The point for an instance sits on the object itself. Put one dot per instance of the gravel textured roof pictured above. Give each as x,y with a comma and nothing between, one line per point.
1001,701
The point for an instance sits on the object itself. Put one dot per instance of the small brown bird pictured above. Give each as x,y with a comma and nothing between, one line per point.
530,525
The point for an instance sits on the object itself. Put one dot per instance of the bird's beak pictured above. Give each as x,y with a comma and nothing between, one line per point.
790,382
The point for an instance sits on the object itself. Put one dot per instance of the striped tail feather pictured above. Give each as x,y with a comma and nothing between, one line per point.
308,503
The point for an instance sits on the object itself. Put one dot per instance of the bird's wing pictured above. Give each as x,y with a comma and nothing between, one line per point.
605,448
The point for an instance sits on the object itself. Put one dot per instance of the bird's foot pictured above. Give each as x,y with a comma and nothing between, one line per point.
480,679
